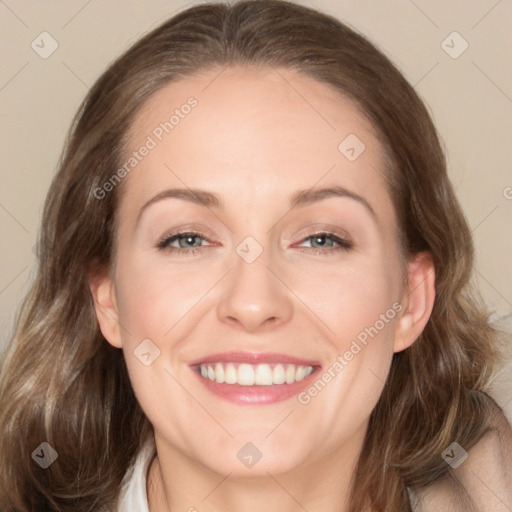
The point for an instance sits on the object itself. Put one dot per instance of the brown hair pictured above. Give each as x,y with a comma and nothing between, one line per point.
64,384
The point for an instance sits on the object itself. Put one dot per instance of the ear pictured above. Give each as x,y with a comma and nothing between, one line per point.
103,292
418,301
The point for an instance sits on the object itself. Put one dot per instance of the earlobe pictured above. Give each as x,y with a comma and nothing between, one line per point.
418,301
103,292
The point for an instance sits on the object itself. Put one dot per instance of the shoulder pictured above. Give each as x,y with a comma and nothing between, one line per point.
480,478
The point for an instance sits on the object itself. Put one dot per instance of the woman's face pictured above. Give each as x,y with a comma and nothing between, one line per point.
273,319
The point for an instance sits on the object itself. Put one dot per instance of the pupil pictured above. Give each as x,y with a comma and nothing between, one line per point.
321,240
189,240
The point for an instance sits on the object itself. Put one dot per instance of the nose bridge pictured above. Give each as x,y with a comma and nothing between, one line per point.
254,296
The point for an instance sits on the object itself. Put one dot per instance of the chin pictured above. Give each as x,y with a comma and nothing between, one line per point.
253,459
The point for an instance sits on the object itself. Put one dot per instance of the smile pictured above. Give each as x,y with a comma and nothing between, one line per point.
250,375
250,378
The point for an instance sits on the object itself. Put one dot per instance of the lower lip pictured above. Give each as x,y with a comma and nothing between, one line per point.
256,395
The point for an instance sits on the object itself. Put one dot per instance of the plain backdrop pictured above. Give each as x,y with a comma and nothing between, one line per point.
456,53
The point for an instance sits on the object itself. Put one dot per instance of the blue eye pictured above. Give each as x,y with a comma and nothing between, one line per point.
191,243
319,241
187,242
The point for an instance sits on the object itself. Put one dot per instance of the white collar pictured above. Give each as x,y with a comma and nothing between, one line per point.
133,495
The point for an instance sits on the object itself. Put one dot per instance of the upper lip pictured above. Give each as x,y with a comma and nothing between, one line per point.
254,358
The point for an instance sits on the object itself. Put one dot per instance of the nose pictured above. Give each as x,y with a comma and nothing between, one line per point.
254,297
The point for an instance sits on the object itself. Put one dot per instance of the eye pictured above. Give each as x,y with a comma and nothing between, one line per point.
188,242
191,242
325,242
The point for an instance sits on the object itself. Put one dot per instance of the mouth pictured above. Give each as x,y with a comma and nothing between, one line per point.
249,378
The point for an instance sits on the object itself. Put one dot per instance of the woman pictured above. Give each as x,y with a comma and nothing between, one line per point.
253,289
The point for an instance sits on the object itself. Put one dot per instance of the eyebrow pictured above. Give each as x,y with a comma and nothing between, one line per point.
298,199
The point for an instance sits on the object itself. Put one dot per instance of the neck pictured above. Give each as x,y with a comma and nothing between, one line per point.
177,482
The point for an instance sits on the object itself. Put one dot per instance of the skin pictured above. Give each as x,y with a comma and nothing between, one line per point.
255,137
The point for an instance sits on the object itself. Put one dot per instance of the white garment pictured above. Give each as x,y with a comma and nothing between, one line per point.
133,496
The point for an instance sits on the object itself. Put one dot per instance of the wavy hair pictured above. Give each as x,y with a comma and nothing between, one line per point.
62,383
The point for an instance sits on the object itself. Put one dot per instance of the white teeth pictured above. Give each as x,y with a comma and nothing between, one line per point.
290,374
245,375
250,375
278,375
230,374
300,373
219,373
262,375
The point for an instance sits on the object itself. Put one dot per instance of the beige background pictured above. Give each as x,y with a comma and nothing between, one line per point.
470,98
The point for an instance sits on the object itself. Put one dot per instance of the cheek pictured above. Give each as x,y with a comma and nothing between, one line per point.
364,322
152,299
348,298
358,307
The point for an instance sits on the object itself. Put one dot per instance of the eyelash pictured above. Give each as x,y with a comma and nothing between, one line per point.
343,244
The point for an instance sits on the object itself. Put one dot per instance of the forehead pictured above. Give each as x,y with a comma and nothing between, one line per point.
253,134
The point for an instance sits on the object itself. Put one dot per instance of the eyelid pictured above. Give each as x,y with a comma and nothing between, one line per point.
181,233
343,240
319,229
